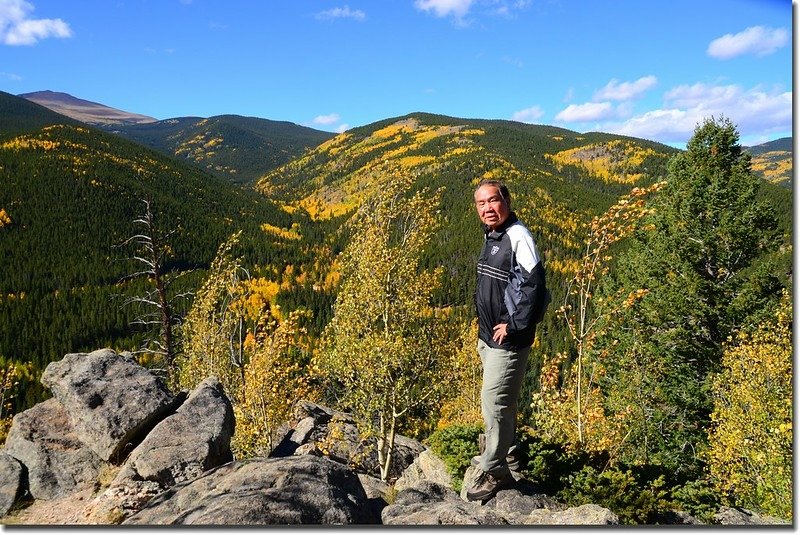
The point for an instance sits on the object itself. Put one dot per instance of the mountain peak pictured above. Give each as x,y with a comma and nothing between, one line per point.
85,110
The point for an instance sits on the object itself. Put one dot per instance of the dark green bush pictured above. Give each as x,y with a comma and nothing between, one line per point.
456,445
618,491
698,498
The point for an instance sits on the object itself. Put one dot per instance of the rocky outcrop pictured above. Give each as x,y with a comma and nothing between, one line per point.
57,461
179,449
129,451
427,467
11,482
110,399
588,514
304,489
736,516
424,502
427,503
335,434
126,413
186,444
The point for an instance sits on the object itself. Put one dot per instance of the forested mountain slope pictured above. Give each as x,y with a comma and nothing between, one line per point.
773,161
237,148
69,199
559,179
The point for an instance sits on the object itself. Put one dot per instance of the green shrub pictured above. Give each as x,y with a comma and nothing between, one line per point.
698,498
549,464
618,491
456,445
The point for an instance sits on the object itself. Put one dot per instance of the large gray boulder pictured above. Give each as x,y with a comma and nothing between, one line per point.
427,466
303,489
111,400
180,448
186,444
11,482
515,505
336,435
425,503
582,515
43,440
737,516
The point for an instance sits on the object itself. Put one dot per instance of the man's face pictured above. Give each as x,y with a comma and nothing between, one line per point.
492,207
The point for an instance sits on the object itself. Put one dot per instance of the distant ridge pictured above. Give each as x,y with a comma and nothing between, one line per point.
781,144
85,111
239,149
773,161
19,115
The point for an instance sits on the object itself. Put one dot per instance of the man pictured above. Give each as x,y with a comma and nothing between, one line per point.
510,292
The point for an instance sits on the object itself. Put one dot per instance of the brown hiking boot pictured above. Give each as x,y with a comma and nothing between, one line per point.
513,459
487,485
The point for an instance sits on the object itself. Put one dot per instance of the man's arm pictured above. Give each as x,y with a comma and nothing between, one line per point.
526,289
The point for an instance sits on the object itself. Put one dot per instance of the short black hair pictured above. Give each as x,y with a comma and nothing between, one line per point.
504,193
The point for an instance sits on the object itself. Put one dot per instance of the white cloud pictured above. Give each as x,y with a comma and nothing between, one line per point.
342,127
528,115
757,40
342,13
506,9
11,76
615,90
444,8
326,120
17,28
516,62
755,112
590,111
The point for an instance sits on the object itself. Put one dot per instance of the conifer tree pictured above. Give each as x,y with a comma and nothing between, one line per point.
685,267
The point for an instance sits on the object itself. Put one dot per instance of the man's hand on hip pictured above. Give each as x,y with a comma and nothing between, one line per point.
500,332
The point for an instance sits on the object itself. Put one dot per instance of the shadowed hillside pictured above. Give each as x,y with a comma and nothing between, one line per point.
70,196
239,149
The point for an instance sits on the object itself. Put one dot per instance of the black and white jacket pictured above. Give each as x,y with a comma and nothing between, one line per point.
511,284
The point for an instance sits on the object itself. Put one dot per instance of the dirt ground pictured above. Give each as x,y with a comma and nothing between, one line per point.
67,510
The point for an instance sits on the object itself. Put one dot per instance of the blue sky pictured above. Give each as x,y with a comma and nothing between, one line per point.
646,68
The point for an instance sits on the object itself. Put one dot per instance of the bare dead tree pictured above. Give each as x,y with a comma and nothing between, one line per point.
157,307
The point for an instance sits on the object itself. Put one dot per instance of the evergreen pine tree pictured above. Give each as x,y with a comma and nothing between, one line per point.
685,268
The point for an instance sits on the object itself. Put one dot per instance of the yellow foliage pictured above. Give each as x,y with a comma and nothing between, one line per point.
10,375
751,446
463,403
288,234
414,161
775,166
570,408
5,220
379,347
273,382
613,162
232,332
556,416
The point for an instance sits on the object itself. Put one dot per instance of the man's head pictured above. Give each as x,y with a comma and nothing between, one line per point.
493,202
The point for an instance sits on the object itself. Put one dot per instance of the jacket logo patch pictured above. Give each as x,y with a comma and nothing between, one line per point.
495,249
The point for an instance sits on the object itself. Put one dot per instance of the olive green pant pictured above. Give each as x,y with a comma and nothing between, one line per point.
503,374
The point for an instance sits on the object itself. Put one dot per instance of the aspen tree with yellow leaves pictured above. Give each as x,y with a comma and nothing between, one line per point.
233,332
750,453
383,351
570,404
